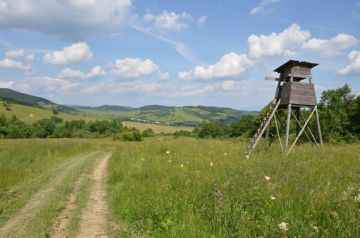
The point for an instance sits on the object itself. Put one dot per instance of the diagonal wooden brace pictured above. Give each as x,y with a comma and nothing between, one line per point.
302,130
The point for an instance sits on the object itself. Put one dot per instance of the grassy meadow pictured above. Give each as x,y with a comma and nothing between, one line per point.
186,187
30,114
205,188
26,165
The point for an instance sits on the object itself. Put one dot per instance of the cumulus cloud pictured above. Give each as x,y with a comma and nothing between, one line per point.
263,4
69,18
14,54
134,67
278,44
168,21
353,66
69,73
333,46
73,54
285,43
230,65
185,75
13,64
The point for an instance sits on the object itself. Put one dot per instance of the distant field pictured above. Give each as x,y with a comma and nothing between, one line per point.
31,114
156,128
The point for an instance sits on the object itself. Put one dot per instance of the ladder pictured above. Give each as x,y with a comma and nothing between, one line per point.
263,126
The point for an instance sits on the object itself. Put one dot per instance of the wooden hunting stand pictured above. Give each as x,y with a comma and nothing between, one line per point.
295,92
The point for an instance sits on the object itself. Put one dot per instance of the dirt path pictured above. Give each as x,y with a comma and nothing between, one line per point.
60,227
23,217
94,219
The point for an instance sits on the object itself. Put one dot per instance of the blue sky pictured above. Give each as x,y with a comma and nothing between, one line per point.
137,52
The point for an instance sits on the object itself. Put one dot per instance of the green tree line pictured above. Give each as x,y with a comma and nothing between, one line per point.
339,112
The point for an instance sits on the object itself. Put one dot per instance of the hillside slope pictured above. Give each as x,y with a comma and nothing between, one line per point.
187,115
31,108
22,98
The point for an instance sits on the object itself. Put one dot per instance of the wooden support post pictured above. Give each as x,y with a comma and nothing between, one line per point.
288,127
298,118
319,126
278,132
302,130
262,130
312,135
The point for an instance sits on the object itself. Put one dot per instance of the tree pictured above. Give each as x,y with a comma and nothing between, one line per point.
335,109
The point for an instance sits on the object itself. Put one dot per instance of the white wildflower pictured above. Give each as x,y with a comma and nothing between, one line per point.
283,226
267,178
273,198
211,164
168,152
182,166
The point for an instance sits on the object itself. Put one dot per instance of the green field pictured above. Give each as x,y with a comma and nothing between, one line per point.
185,187
31,114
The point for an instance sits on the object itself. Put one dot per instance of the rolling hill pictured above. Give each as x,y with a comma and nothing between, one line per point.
185,116
30,107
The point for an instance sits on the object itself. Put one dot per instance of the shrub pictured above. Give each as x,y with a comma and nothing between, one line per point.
133,135
148,133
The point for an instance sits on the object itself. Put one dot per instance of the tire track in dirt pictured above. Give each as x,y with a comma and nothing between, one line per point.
94,220
23,217
60,227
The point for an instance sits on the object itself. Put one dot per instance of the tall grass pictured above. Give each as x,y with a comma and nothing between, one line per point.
25,165
205,188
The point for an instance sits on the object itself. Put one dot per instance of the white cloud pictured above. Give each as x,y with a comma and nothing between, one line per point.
6,84
169,21
333,46
73,54
97,71
353,66
68,73
230,65
69,18
13,64
186,75
228,85
277,44
164,76
262,6
14,54
134,67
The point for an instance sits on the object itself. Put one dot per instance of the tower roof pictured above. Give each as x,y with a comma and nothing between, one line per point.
293,63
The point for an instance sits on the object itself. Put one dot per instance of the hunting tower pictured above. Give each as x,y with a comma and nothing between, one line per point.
295,93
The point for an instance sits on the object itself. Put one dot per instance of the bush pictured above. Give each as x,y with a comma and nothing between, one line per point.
148,133
132,136
183,133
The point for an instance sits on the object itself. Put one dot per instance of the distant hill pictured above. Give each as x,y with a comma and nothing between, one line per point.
156,114
10,95
22,98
